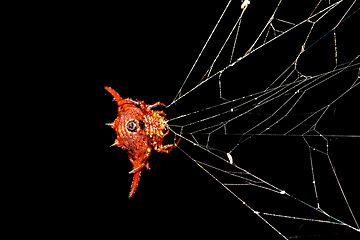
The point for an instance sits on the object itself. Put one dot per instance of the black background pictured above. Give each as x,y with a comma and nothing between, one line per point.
148,49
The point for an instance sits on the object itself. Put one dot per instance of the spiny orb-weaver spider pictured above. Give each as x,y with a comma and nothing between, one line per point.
138,128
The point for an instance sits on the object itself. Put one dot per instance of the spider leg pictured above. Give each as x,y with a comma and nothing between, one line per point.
161,113
155,105
167,148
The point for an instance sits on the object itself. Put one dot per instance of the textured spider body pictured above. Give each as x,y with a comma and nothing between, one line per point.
138,128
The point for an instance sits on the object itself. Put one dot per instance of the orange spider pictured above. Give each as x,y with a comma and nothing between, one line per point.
138,128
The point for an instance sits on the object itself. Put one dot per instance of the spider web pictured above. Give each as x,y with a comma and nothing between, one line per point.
271,107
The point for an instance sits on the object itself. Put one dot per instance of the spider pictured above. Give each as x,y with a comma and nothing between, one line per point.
138,128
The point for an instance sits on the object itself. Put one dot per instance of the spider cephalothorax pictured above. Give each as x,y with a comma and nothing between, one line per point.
138,128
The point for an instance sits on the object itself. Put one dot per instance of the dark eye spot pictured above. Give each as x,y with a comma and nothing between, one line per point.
142,125
132,126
